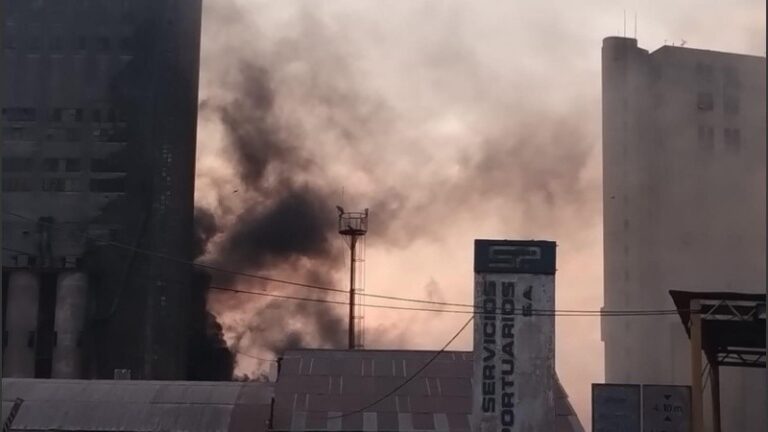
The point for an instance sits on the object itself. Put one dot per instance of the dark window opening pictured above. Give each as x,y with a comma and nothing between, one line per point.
732,139
73,165
17,164
126,44
108,185
731,79
731,104
14,184
705,101
97,115
53,185
102,43
19,114
705,73
50,164
111,134
108,165
706,137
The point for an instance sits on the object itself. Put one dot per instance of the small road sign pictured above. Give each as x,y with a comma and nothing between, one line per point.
666,408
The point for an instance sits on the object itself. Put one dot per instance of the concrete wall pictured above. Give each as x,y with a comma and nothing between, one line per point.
684,205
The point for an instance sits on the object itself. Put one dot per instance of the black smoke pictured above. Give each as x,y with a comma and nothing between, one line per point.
285,222
301,121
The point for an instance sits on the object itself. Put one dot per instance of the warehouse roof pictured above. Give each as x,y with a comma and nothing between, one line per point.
146,406
323,389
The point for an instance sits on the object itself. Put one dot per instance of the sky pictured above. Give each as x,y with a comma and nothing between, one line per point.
451,120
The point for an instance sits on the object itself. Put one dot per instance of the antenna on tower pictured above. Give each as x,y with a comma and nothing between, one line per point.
625,23
635,24
353,226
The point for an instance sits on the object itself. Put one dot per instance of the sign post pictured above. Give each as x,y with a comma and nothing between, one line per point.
514,336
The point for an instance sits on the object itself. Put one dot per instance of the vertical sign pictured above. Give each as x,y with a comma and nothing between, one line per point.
615,408
514,336
666,408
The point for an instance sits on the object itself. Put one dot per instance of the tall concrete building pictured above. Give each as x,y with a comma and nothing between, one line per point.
684,202
99,112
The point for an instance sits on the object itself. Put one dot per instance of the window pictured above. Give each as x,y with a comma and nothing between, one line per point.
50,165
705,73
102,43
17,164
731,104
126,44
67,115
96,115
108,185
72,185
705,101
16,133
110,134
706,137
56,43
731,79
73,165
61,185
62,134
19,114
12,184
732,138
111,165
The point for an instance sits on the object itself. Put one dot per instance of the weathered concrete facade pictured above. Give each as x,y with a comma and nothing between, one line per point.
99,112
684,205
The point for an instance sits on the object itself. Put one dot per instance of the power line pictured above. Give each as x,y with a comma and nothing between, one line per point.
517,312
572,312
410,378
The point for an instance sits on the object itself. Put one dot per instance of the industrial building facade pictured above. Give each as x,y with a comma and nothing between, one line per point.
99,115
684,202
315,390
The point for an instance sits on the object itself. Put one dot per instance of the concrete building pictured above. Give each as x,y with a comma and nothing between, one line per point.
99,112
684,202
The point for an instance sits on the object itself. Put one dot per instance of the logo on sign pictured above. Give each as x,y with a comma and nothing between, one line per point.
512,257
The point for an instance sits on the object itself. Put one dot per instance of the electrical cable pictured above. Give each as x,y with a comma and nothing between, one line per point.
570,312
518,312
410,378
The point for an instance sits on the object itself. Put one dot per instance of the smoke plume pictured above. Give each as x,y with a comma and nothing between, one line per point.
299,123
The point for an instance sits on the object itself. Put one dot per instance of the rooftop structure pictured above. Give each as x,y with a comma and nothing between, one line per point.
313,390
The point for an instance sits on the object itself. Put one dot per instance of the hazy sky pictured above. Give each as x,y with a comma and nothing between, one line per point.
451,120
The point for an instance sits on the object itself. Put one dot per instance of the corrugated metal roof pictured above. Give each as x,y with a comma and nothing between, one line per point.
141,406
316,386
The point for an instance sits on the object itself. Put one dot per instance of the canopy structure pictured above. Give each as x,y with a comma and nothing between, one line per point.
729,328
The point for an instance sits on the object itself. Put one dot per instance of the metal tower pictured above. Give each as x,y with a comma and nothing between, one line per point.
353,226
